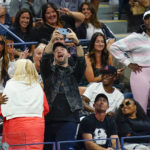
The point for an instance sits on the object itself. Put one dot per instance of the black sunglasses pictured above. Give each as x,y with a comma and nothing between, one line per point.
126,103
2,42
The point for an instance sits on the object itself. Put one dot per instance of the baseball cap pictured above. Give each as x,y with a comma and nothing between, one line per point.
99,96
146,13
109,69
59,44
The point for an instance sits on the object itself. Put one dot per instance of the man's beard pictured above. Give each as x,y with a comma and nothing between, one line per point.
61,63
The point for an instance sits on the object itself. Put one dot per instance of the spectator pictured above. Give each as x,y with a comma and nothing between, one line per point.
24,91
72,5
4,17
7,62
97,57
37,55
61,86
137,46
35,6
137,9
123,5
92,25
52,20
6,4
23,28
115,97
98,126
132,121
2,14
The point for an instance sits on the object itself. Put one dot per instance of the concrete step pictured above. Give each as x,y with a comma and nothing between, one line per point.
117,26
105,16
106,9
107,12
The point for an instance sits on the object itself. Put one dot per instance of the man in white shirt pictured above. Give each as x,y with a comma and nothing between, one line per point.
115,97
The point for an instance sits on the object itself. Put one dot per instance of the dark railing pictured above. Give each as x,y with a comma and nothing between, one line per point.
79,141
57,145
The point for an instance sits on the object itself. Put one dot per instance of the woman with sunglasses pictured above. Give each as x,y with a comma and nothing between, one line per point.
132,121
6,62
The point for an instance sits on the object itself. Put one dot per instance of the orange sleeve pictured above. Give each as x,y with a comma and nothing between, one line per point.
46,106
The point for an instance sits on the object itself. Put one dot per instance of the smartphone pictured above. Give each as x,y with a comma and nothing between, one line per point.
38,19
63,31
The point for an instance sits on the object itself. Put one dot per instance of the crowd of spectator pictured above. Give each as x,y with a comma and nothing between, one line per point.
57,90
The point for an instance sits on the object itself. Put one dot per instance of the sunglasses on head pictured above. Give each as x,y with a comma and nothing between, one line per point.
126,103
2,42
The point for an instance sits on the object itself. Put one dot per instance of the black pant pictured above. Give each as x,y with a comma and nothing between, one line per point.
60,131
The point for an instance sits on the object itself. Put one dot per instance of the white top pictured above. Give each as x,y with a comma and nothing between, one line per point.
136,45
115,98
23,100
91,30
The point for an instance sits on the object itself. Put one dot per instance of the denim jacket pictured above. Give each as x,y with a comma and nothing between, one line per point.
70,78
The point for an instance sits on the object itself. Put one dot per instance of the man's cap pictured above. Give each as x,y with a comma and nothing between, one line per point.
59,44
101,95
109,70
146,13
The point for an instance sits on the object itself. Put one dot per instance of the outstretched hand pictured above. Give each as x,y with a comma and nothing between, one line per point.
64,11
24,54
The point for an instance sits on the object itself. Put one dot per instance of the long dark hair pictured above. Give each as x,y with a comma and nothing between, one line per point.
44,9
5,61
93,20
91,54
140,114
17,18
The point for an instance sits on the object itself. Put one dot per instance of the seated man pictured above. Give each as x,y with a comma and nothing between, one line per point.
115,97
98,126
4,17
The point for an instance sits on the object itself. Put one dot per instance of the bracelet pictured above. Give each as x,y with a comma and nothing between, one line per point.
79,44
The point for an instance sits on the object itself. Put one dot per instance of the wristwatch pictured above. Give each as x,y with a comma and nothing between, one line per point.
79,44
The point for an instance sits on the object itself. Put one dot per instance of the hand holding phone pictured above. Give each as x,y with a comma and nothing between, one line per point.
63,31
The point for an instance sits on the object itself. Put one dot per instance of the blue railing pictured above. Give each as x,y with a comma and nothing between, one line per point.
79,141
57,145
44,143
6,30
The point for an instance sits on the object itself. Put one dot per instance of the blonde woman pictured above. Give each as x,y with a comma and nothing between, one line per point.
25,109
